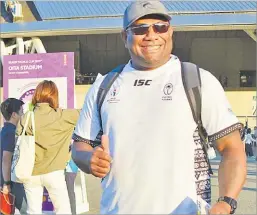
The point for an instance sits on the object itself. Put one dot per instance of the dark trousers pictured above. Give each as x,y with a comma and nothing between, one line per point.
20,197
70,180
248,150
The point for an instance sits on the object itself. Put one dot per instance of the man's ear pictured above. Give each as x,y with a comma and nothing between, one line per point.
124,37
13,115
171,31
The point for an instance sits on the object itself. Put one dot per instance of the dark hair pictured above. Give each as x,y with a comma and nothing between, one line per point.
46,92
10,106
248,131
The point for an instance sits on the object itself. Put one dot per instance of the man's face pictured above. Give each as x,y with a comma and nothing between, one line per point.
151,49
17,116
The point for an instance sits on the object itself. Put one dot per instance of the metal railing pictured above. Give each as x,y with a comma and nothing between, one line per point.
85,79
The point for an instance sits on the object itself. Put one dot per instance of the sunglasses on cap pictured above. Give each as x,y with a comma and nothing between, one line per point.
143,29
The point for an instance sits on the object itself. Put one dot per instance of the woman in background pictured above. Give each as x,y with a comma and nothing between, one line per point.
54,127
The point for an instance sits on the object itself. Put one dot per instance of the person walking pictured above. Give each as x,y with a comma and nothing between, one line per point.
249,141
12,111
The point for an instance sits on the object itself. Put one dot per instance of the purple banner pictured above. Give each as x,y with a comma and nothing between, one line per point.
22,73
47,204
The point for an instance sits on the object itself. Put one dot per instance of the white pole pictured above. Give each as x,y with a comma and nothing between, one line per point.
20,45
37,43
3,50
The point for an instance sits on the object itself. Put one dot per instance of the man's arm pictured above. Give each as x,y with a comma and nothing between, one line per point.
91,156
232,170
8,146
81,155
6,169
253,140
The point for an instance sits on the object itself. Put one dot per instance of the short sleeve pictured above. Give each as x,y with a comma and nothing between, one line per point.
88,125
9,142
217,115
70,115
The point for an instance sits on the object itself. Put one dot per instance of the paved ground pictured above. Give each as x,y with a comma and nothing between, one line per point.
246,202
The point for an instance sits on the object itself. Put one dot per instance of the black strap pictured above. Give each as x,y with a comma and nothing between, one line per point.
192,84
105,87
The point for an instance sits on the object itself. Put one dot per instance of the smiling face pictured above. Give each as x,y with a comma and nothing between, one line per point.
152,49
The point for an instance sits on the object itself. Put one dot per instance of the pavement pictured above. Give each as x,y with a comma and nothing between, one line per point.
246,201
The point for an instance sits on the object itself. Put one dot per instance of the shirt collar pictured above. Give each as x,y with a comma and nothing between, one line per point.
9,125
43,107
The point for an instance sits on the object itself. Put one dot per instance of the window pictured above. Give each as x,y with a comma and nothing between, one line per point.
247,78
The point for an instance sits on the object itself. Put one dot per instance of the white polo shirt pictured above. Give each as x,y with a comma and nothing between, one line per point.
157,159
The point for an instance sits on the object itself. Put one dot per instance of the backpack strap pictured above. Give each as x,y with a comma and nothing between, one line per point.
192,84
106,86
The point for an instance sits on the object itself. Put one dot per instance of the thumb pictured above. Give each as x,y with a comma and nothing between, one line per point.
105,143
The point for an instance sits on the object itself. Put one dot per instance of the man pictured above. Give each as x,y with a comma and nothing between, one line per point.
255,134
11,110
148,157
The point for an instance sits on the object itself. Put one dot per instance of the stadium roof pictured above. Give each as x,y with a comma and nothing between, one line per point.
96,17
114,25
85,9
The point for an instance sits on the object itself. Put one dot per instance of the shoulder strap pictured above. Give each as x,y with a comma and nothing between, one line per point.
30,115
192,84
26,123
106,85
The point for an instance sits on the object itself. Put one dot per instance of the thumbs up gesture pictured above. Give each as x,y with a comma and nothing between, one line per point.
101,159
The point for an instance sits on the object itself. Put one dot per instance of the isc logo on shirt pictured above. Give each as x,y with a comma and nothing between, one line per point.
142,82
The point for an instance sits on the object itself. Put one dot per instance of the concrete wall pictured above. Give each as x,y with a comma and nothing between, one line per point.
97,53
225,56
221,52
242,105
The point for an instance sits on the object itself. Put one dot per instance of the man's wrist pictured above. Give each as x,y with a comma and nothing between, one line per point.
229,203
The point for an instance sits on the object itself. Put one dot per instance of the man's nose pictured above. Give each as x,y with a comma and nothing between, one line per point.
151,34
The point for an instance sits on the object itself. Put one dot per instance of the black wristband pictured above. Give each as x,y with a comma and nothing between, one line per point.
232,202
7,182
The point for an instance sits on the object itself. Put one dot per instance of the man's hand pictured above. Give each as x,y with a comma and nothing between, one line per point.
220,208
6,189
101,160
